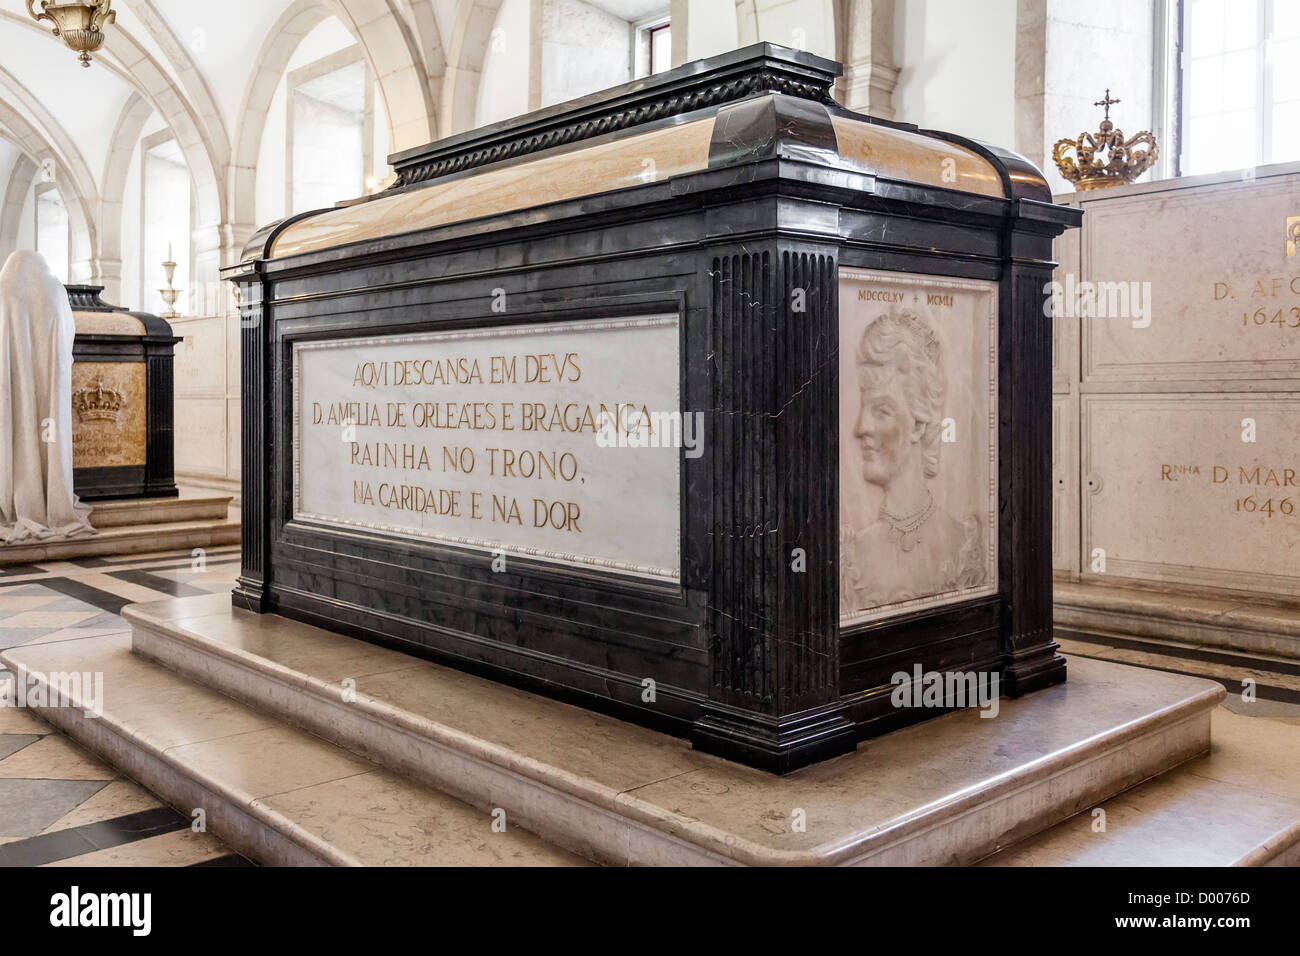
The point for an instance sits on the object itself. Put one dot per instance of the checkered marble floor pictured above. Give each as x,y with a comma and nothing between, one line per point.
59,805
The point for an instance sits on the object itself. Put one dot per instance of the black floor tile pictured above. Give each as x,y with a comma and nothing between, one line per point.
78,841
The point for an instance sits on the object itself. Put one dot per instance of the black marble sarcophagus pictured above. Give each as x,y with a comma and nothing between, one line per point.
122,401
702,401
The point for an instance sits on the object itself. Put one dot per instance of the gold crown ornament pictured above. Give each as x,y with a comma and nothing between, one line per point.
1105,158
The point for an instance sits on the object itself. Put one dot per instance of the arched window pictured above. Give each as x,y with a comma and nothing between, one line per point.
164,221
53,239
330,133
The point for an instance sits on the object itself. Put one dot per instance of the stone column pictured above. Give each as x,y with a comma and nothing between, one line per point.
701,28
774,698
110,277
207,293
866,42
11,204
1056,90
1031,76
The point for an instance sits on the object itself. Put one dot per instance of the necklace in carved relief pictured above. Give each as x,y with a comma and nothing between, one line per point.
902,530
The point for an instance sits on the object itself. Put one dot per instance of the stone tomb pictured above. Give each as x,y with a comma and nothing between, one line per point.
122,415
701,401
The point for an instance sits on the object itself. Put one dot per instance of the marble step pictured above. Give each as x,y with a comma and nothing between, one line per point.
278,795
130,539
189,505
951,790
1238,805
1275,678
1240,622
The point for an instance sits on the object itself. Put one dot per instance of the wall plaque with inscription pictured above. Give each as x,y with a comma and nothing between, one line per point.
1174,493
499,440
1193,284
833,328
1177,421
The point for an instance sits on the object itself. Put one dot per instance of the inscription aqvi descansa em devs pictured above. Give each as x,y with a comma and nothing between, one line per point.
547,441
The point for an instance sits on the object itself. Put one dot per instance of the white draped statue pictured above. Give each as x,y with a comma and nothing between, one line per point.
36,333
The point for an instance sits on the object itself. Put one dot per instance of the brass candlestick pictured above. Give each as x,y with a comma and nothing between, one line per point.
170,293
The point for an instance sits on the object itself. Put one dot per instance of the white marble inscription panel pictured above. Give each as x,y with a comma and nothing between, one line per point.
1193,489
550,441
1194,284
918,442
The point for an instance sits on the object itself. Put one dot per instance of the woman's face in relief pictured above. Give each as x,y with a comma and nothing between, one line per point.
885,429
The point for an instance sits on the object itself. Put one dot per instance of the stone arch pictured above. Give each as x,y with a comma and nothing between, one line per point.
21,179
394,55
78,197
126,136
191,79
298,20
50,130
466,48
203,155
142,71
301,17
192,134
431,48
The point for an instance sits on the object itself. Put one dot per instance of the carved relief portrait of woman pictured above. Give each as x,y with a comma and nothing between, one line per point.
912,545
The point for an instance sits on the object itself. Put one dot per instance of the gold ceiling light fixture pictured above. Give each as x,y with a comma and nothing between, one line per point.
81,25
1105,158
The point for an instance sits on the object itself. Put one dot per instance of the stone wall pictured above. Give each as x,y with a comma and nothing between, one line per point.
1177,392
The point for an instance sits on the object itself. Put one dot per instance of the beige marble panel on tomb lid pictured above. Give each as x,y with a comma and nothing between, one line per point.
108,323
910,157
631,161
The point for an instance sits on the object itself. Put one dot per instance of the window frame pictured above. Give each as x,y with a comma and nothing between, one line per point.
643,44
330,63
650,46
147,144
1174,36
37,191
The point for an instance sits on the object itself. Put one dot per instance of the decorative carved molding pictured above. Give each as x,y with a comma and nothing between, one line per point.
762,68
86,298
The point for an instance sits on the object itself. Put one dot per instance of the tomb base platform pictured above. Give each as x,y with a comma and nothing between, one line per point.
195,518
1238,805
321,727
1208,632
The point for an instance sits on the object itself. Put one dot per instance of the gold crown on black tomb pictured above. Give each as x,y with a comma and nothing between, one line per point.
97,403
1105,158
